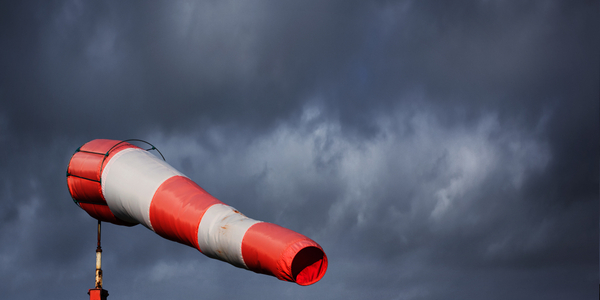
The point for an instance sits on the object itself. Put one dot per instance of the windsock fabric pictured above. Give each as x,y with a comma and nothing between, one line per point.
120,183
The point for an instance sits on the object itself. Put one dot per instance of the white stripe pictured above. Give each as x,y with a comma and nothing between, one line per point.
221,231
129,181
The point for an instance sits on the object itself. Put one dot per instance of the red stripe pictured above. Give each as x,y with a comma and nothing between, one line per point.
177,208
85,190
85,164
84,174
274,250
84,185
100,145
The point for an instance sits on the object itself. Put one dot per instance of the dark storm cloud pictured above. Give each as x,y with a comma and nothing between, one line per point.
110,61
435,150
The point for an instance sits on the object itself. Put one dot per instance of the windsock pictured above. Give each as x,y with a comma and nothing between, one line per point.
118,182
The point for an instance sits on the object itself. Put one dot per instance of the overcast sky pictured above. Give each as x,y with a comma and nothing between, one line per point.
435,149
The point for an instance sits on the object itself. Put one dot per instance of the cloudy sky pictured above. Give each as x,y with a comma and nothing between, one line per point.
435,149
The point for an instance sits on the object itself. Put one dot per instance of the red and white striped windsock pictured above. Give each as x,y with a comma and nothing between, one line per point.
117,182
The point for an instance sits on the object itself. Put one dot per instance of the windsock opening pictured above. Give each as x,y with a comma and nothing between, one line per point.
309,265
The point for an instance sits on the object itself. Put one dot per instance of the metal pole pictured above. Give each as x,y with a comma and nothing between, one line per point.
98,293
99,262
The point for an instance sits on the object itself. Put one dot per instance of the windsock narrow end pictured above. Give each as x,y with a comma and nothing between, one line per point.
309,265
290,256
